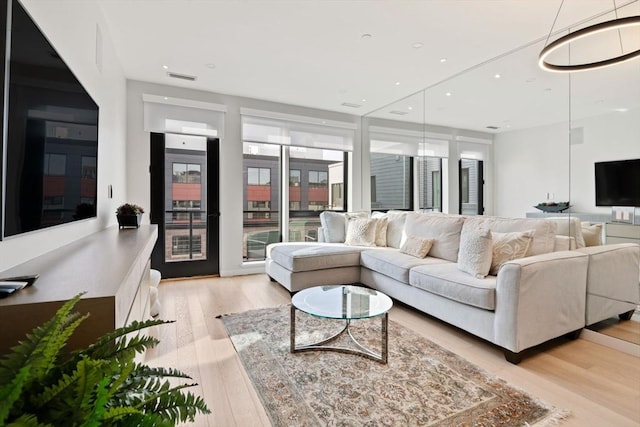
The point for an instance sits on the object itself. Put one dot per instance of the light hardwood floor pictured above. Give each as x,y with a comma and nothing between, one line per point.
600,386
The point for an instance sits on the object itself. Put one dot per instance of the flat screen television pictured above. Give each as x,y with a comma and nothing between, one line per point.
51,135
618,183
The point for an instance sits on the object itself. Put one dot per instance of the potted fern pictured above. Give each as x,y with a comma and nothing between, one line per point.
101,385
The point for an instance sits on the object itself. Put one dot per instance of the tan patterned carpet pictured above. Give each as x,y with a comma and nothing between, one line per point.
422,385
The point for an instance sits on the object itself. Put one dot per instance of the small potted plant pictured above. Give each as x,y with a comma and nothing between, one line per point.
129,215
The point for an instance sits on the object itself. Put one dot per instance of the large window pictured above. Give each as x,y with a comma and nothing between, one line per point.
310,154
393,176
261,217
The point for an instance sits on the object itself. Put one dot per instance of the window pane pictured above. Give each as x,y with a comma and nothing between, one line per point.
429,178
320,189
393,186
179,172
294,177
261,219
193,174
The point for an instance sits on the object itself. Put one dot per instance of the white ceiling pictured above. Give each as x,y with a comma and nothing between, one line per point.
312,53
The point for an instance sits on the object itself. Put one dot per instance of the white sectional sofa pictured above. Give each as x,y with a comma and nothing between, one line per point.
534,292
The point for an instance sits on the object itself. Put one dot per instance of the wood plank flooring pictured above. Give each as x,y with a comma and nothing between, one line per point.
599,385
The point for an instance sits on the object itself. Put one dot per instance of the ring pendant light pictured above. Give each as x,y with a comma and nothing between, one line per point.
586,32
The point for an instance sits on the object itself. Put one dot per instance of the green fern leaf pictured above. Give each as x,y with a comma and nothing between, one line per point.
10,393
41,347
103,348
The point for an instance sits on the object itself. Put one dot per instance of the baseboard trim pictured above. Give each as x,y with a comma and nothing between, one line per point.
611,342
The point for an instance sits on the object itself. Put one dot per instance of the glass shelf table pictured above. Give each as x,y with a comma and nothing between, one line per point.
347,302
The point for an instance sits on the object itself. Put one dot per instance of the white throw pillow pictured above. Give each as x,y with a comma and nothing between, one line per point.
509,246
333,226
361,232
381,231
416,246
476,252
592,234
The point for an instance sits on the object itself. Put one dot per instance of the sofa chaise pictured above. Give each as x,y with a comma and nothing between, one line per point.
512,282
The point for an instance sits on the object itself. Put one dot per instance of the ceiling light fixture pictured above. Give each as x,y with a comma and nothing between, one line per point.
497,76
443,60
397,83
417,45
615,24
166,67
448,94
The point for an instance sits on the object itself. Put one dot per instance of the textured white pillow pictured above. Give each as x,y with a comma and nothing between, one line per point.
416,246
476,252
592,234
381,231
509,246
361,232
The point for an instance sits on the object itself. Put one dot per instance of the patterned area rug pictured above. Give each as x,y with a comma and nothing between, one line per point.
423,384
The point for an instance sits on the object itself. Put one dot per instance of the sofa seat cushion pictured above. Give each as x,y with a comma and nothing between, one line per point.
448,281
393,263
301,257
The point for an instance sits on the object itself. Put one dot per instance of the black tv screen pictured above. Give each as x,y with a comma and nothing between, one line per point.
618,183
52,135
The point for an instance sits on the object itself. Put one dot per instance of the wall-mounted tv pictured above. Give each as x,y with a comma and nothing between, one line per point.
51,134
618,183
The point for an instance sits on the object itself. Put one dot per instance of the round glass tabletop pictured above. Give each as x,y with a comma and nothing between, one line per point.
342,302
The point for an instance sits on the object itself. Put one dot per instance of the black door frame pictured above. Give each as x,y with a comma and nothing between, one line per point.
480,189
210,266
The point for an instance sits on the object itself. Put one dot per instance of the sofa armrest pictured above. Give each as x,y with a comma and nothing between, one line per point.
612,280
539,298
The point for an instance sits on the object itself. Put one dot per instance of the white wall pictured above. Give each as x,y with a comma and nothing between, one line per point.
231,184
531,163
614,136
70,27
528,164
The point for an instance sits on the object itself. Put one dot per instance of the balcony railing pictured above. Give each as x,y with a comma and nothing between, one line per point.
185,235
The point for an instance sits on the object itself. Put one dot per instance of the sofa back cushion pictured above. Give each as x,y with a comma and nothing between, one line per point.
395,228
334,224
569,226
544,232
444,230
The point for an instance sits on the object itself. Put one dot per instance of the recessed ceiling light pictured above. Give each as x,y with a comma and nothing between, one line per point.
210,65
366,36
621,110
497,76
364,100
409,108
166,67
166,97
448,94
417,45
443,59
397,83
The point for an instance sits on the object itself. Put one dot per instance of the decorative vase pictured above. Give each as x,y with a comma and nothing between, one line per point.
125,221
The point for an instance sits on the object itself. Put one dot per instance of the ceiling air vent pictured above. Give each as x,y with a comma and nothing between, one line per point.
181,76
493,127
398,112
351,104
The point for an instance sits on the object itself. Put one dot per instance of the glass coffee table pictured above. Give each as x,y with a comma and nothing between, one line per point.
347,302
